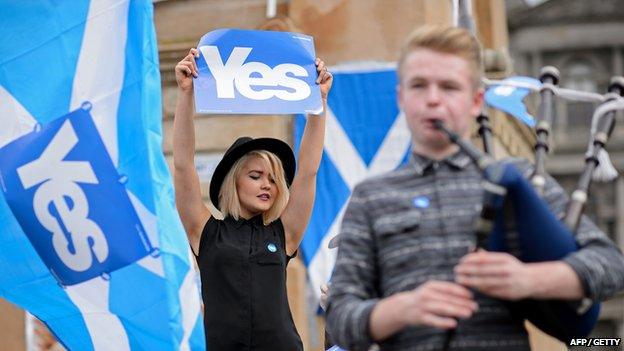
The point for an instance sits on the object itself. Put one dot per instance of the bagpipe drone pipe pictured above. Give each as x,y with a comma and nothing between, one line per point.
513,204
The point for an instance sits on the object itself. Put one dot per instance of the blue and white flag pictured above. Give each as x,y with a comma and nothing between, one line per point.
91,242
259,72
365,135
510,99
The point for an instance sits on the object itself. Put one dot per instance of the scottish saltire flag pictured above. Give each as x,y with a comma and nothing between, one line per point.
63,189
90,242
255,71
365,135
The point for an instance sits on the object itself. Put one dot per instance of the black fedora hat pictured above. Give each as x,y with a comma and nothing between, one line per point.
242,146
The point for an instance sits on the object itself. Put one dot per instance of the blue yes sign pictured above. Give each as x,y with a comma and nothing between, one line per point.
67,196
261,72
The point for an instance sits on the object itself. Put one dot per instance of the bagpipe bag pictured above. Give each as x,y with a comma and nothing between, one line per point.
539,236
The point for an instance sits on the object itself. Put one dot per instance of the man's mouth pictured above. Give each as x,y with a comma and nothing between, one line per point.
430,122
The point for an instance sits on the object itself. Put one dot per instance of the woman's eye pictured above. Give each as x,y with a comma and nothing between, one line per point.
272,180
254,177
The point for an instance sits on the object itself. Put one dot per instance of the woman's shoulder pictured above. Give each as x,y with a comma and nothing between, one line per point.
277,224
211,227
212,222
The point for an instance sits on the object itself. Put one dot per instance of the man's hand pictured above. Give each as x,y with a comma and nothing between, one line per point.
324,294
496,274
436,304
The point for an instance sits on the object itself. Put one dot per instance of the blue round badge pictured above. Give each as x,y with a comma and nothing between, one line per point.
421,201
271,247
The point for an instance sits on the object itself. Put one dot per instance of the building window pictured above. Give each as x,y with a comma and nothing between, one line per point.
580,75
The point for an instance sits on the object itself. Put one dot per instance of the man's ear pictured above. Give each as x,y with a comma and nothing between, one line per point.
399,96
477,102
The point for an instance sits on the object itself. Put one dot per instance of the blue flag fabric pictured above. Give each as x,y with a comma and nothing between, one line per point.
140,293
259,72
509,99
365,135
61,176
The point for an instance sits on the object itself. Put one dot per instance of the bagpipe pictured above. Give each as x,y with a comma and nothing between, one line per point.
513,204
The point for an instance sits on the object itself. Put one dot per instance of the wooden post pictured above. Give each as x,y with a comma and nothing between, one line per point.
12,326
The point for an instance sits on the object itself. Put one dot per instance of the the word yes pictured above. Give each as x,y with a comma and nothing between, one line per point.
59,179
247,75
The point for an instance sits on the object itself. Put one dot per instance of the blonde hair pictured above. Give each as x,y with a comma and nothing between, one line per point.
448,40
229,203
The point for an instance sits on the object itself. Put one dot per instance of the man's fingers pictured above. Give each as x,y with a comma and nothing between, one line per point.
496,270
439,322
481,257
449,309
450,289
481,282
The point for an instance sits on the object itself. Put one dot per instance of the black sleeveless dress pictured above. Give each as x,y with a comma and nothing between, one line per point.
242,265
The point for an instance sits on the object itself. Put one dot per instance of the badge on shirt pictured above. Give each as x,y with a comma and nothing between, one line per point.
421,202
272,247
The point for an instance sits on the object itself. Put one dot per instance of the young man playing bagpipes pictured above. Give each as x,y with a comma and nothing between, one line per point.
408,271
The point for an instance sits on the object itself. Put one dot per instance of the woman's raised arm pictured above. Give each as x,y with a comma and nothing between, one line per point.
193,212
303,189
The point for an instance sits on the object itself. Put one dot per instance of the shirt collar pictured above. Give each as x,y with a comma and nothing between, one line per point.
257,220
420,163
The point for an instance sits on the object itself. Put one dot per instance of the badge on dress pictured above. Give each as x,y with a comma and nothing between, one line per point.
271,247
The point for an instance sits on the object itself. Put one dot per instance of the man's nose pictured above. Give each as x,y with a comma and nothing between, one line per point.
433,95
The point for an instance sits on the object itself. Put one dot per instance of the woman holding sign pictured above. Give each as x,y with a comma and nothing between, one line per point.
266,205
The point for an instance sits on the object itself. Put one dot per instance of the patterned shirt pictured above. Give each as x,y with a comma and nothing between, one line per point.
412,225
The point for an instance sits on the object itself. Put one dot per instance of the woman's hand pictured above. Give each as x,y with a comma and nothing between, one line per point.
186,70
324,78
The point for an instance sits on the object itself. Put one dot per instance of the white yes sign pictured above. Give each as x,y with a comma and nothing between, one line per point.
235,72
59,179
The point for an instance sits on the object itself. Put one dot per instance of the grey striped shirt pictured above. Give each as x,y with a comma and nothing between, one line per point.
412,225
